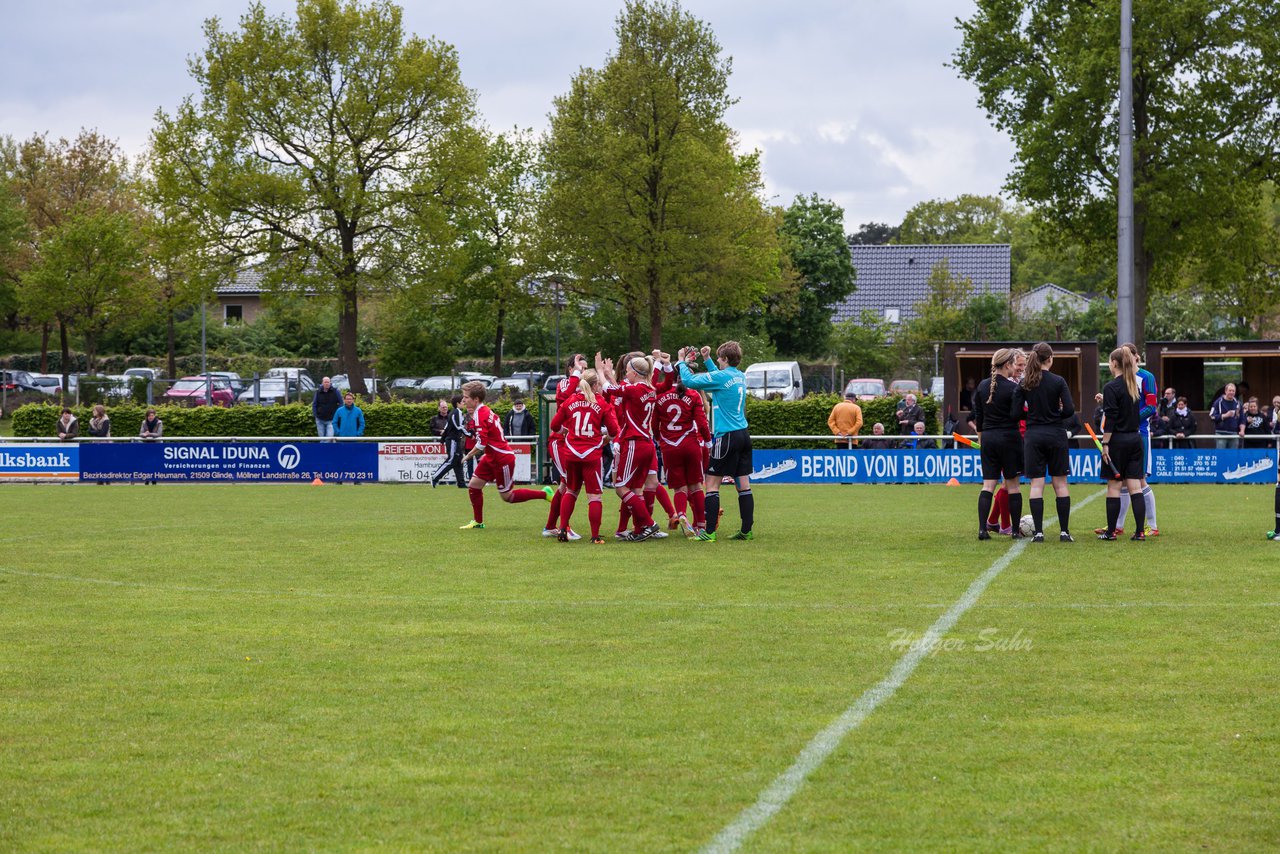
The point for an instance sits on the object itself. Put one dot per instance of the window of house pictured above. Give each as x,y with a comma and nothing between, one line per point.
232,314
892,315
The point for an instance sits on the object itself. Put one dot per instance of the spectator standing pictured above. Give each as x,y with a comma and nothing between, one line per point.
348,420
323,405
845,420
440,420
1275,414
1181,424
519,421
68,426
909,414
100,424
152,428
966,394
1225,414
1254,425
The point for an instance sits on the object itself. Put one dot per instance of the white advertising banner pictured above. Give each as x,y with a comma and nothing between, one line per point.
416,462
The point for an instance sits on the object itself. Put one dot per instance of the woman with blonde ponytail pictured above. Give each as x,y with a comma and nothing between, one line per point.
585,421
1121,445
1048,405
635,476
997,424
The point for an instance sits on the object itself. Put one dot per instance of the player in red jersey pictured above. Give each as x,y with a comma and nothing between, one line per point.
664,377
583,421
683,434
565,389
634,398
498,463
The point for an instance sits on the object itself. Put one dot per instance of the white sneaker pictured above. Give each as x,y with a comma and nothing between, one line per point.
660,535
551,533
622,535
574,535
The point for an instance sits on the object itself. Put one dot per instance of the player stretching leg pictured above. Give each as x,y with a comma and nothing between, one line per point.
583,420
498,463
731,455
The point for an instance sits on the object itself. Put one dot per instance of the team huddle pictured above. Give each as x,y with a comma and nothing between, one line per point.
1021,413
650,411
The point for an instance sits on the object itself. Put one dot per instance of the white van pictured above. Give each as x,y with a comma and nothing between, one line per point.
769,379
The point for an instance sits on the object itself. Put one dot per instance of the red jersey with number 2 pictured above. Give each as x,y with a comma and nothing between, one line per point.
681,418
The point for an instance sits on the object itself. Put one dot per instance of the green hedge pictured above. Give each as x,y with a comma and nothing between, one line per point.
807,417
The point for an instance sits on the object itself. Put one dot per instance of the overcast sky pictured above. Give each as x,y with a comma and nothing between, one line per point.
846,98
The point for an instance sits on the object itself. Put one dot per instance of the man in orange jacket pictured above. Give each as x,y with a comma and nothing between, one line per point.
845,421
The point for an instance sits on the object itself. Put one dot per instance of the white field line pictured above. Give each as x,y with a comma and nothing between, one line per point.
821,746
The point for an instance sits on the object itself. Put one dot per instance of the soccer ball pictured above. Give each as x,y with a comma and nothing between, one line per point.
1027,525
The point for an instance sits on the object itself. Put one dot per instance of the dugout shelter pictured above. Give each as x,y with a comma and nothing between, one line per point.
1198,369
962,361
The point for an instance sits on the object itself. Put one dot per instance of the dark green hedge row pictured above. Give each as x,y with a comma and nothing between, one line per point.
806,417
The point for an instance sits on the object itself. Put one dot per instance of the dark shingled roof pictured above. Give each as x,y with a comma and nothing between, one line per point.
898,276
247,281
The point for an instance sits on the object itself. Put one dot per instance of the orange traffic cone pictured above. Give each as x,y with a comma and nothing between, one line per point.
953,482
317,482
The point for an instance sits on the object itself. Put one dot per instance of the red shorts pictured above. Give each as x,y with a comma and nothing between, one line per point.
583,474
684,464
555,446
632,463
500,470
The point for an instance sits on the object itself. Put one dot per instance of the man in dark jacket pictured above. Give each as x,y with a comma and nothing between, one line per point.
454,434
519,421
909,414
323,405
440,421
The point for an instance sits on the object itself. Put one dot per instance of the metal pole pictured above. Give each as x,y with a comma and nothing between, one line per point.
204,369
1124,232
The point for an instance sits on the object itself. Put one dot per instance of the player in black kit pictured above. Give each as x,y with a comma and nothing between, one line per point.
1121,444
997,424
1048,406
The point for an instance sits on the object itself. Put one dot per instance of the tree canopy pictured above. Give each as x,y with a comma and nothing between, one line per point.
813,230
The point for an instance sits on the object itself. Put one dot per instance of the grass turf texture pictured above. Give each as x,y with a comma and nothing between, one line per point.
245,666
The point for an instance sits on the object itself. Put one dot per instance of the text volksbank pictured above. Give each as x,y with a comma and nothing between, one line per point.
56,460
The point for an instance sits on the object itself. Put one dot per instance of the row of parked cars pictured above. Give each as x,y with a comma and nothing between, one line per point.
220,388
869,389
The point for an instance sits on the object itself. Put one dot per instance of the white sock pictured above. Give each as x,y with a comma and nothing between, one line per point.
1124,506
1150,498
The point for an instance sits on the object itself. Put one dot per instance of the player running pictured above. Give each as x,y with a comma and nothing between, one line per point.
498,463
1122,401
996,421
583,421
565,389
1048,406
634,398
682,435
731,454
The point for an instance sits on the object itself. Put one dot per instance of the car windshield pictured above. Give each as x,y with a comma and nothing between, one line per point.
866,388
269,386
779,379
194,385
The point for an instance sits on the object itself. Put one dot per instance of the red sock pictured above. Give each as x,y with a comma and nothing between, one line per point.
699,500
999,507
1006,521
594,511
566,509
624,515
553,517
665,500
477,504
650,496
682,503
521,495
639,513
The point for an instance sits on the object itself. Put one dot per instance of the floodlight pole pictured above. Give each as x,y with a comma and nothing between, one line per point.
204,372
1124,231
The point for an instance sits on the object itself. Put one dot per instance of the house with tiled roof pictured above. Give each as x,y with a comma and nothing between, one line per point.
1037,300
240,300
892,280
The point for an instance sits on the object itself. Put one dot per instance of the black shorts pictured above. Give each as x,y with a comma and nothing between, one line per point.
1046,449
1001,455
731,454
1127,456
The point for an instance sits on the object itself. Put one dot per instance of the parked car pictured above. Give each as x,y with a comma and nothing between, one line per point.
291,373
237,383
148,374
273,390
441,384
469,376
904,387
518,385
402,383
341,383
534,378
550,383
47,383
190,391
766,379
19,381
937,388
865,388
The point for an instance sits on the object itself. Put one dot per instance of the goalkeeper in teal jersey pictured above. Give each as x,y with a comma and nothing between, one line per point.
731,450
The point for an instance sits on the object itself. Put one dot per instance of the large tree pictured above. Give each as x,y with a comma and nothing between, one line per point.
329,146
647,205
1206,113
813,232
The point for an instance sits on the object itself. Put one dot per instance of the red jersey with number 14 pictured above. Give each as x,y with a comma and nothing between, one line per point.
584,423
635,402
681,417
488,430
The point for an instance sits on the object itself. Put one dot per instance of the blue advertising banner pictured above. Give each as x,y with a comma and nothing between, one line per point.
40,462
839,466
205,462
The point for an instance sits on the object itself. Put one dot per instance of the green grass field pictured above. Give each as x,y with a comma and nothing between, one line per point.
297,667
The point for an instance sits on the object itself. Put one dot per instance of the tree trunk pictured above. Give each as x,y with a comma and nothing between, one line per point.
171,344
66,352
633,328
655,311
44,348
497,339
348,357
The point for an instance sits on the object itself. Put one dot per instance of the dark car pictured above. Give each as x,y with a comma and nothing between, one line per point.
18,381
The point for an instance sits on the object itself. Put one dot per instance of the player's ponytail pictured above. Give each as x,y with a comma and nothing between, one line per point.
643,366
586,385
1040,354
1123,358
999,359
